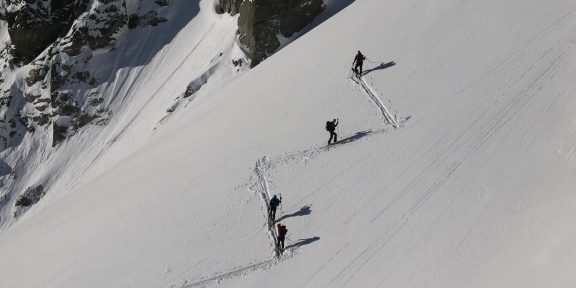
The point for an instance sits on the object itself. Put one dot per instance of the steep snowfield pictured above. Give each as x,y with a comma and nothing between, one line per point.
473,189
147,75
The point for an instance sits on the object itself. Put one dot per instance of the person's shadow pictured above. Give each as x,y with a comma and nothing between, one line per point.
355,137
302,242
302,212
382,66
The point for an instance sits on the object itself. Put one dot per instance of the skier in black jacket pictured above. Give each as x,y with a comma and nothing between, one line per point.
331,127
359,61
274,202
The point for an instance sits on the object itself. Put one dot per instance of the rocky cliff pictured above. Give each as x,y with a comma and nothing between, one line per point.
261,22
57,39
35,24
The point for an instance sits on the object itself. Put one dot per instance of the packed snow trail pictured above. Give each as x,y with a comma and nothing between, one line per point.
388,117
238,272
259,183
264,191
261,186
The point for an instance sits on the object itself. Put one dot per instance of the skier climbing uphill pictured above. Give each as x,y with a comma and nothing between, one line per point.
274,202
359,61
281,232
331,127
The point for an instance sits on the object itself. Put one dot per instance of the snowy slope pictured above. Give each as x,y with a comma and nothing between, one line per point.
473,189
144,82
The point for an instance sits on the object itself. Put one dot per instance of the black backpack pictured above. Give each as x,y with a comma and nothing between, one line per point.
329,126
274,202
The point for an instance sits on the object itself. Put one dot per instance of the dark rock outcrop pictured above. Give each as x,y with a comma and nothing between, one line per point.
30,196
34,24
7,122
96,28
61,70
229,6
260,22
151,18
11,126
58,38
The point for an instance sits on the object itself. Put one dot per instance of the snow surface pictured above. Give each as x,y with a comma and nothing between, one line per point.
474,188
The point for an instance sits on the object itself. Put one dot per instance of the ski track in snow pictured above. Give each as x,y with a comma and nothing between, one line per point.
167,79
259,184
388,117
496,122
131,88
484,185
499,120
260,179
264,191
232,274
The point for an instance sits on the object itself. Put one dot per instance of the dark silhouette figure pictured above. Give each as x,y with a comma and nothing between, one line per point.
281,232
274,202
331,127
359,61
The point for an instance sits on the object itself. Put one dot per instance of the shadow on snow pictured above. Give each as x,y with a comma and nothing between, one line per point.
355,137
381,66
302,212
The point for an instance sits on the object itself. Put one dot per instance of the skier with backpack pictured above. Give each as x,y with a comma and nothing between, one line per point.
359,61
331,127
274,202
281,235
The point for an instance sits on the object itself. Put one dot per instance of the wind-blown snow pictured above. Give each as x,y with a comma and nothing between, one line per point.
474,188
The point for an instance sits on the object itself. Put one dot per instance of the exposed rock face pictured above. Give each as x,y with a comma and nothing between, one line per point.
230,6
55,75
59,39
28,198
70,48
260,22
97,27
7,123
151,18
10,102
35,24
